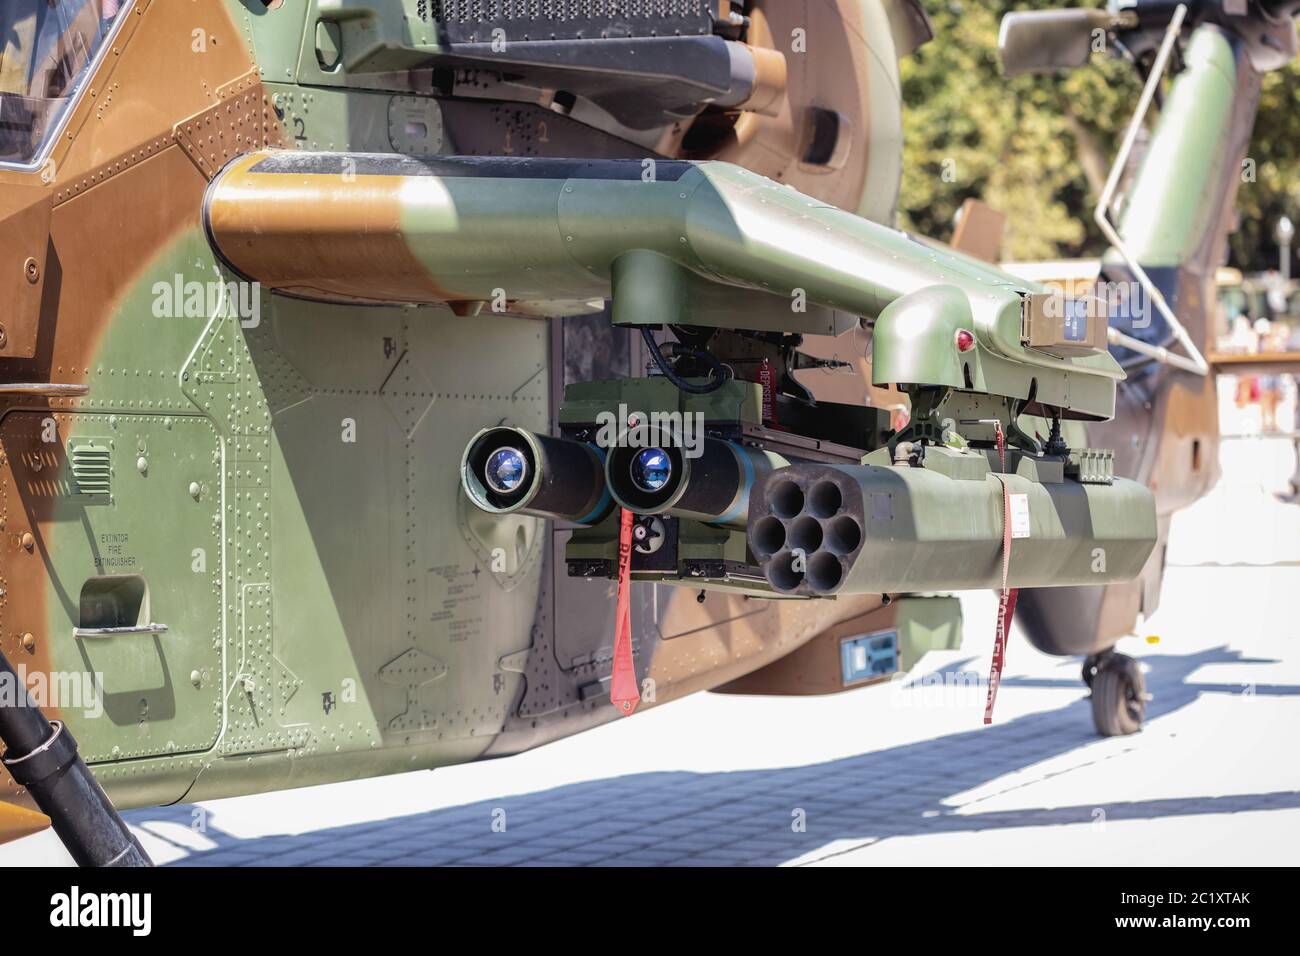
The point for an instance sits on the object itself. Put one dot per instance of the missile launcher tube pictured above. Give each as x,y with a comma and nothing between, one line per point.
562,479
819,530
713,487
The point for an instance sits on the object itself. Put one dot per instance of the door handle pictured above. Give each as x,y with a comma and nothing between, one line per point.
99,632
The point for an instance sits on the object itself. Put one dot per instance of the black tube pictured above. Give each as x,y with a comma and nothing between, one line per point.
565,478
720,374
712,487
706,484
42,756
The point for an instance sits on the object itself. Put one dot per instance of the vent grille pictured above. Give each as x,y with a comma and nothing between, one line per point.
92,468
470,21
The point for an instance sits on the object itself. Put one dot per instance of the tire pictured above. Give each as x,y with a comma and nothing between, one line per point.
1118,697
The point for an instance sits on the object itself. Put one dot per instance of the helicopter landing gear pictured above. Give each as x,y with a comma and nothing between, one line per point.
1119,697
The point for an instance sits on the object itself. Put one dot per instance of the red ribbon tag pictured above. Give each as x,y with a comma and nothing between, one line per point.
623,692
1006,608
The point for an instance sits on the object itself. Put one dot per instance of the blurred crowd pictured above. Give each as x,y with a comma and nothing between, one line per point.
1259,315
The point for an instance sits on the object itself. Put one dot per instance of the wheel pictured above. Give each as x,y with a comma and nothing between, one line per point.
1118,696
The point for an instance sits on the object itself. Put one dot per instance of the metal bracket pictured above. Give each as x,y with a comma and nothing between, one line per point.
1196,363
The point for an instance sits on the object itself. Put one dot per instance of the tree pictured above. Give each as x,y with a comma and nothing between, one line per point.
1038,147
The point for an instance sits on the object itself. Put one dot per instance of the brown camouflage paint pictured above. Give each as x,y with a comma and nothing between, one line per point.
122,188
298,245
128,179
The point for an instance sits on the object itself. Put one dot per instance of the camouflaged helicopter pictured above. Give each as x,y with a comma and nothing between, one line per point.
389,384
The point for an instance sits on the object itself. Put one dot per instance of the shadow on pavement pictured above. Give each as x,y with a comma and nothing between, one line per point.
745,817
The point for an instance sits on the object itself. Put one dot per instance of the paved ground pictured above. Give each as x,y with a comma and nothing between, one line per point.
902,774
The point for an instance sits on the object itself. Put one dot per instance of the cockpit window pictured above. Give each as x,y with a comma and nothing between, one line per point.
46,47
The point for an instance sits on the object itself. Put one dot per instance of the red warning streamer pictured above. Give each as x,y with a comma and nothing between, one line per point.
1006,596
623,692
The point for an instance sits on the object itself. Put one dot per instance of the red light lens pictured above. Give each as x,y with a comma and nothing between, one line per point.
965,341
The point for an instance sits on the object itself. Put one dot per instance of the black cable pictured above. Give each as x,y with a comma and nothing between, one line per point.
720,371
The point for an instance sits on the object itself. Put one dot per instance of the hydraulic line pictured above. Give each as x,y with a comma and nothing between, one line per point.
42,757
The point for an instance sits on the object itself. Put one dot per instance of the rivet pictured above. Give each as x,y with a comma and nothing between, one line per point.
31,269
195,490
29,642
142,464
29,542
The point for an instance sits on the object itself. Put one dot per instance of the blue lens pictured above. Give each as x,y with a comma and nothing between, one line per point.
651,469
506,470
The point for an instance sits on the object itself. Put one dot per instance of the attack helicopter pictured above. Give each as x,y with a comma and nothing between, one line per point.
390,384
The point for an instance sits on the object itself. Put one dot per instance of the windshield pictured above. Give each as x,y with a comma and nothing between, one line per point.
45,48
